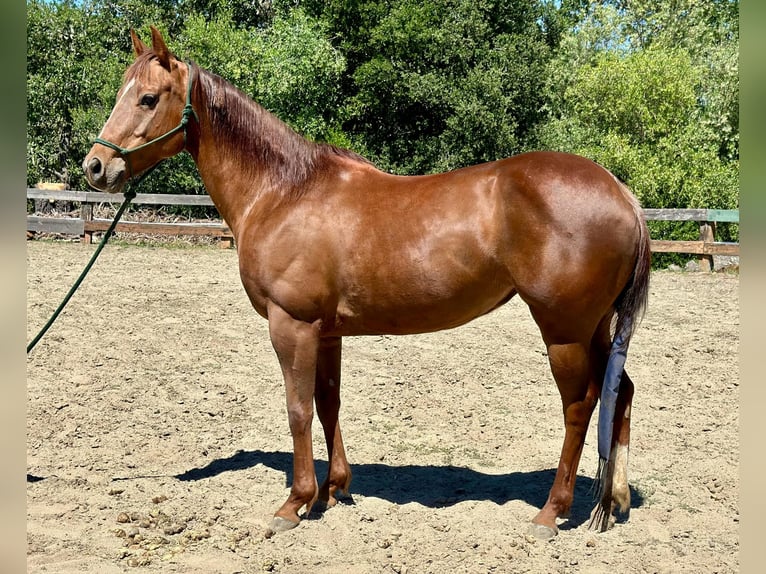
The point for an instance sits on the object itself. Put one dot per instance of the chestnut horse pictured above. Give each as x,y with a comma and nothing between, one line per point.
330,246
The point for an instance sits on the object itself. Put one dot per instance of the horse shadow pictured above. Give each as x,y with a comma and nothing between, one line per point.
429,485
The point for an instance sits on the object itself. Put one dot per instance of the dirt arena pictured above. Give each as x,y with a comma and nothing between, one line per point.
157,436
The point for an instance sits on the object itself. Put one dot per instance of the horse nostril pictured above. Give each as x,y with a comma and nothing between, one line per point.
95,166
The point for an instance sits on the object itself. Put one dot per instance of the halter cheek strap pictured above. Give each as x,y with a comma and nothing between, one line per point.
187,113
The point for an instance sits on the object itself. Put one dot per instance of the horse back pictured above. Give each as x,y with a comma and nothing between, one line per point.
369,252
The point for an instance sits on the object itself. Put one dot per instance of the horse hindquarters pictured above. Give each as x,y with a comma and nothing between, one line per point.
579,356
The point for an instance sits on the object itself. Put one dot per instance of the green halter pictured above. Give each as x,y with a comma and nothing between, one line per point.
186,114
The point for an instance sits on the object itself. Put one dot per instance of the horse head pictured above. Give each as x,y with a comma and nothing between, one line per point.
148,121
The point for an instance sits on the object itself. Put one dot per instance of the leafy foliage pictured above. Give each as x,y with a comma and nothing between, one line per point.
652,96
448,83
647,88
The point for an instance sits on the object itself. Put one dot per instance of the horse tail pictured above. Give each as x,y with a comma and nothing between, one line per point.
631,303
629,307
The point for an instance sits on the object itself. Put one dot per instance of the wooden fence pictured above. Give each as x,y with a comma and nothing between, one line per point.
706,246
86,225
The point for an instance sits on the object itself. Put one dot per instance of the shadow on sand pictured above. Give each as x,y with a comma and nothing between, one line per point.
432,486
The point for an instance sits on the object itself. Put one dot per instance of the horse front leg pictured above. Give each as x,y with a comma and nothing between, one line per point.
327,397
296,344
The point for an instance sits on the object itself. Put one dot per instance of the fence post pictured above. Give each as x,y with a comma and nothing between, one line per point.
86,214
707,235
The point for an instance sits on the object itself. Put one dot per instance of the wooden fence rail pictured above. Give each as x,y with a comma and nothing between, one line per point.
706,246
86,225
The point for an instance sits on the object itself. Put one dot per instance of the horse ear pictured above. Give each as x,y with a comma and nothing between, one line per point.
160,48
138,46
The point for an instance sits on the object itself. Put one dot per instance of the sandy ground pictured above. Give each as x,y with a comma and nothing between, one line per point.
157,437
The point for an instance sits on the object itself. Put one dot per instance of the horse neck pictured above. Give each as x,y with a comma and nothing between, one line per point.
245,154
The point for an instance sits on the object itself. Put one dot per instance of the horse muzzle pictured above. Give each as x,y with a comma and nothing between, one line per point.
105,175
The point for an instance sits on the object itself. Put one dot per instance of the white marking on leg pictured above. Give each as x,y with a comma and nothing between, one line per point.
331,383
620,488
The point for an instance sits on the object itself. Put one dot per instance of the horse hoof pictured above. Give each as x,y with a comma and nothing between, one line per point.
279,524
542,532
321,505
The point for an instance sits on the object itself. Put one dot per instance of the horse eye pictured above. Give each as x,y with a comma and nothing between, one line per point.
149,100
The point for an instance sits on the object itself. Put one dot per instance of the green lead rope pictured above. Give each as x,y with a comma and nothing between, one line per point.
129,195
186,115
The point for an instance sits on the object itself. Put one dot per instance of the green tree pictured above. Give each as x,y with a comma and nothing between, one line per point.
289,66
709,31
299,75
239,13
446,83
77,51
706,31
60,61
648,89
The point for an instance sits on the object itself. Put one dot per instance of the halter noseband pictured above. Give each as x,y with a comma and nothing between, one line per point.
186,114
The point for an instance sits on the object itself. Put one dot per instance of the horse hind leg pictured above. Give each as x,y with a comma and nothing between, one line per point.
579,371
615,491
327,397
620,447
611,486
574,375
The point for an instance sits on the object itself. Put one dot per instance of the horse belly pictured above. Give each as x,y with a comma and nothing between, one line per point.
422,302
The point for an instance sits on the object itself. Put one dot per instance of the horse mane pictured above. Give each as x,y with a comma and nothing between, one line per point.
261,144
